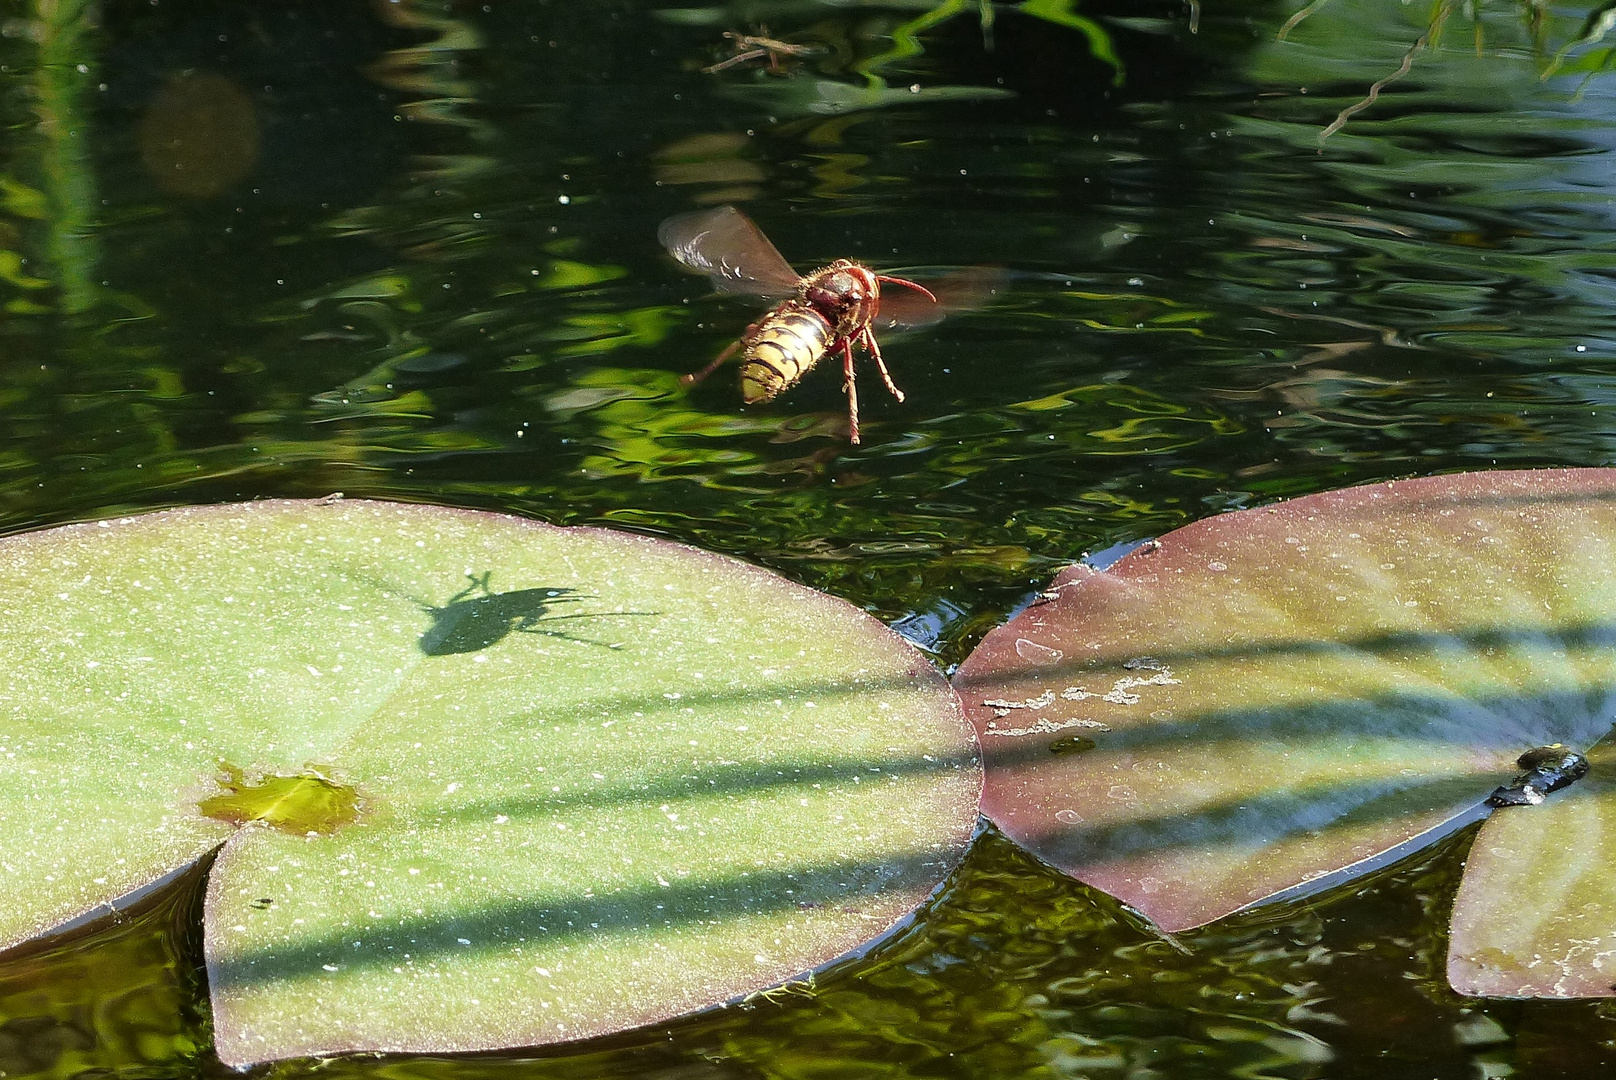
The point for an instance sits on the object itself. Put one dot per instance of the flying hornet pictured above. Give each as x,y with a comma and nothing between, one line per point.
832,310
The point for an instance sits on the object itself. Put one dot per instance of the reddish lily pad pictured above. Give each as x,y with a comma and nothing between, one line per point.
1261,700
491,783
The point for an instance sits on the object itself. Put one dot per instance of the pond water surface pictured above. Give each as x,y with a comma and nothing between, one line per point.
408,250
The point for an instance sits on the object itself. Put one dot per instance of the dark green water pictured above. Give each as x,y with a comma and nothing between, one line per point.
407,250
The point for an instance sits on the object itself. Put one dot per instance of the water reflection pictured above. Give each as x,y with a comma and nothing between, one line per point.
199,135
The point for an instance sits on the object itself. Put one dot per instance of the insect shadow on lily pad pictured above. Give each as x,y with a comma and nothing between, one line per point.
831,310
477,617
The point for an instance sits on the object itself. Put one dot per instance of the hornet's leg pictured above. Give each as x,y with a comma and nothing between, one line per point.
880,365
696,377
852,391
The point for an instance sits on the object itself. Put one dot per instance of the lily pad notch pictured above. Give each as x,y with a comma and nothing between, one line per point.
1266,699
486,783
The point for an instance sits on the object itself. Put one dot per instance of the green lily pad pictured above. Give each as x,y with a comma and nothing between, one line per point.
1280,695
490,783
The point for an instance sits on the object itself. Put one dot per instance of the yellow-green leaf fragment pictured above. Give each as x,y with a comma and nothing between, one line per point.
302,804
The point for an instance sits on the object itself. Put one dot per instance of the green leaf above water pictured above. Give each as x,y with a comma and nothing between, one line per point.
1279,695
603,779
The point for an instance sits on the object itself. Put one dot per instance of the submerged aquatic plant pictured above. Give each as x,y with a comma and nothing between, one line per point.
1589,62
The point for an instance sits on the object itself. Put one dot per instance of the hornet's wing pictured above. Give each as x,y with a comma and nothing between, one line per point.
724,244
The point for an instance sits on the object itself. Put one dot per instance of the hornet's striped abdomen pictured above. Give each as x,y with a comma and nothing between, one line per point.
780,348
